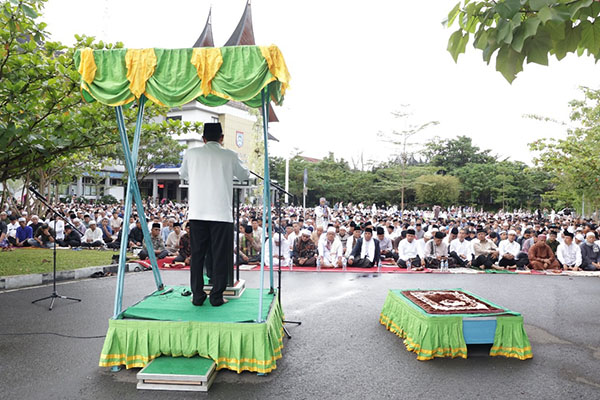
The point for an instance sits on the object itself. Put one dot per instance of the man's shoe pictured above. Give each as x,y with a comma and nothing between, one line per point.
199,302
219,303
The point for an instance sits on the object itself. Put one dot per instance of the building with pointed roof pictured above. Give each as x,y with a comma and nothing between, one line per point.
238,128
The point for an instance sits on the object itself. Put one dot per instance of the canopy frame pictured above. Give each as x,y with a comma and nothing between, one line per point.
133,191
212,76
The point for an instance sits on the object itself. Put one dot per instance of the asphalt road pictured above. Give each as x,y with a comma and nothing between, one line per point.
339,352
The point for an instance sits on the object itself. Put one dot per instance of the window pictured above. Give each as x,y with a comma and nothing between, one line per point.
175,117
214,119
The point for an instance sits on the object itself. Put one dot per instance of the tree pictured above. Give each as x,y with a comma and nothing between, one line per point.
437,189
573,161
41,113
43,119
400,140
519,30
450,154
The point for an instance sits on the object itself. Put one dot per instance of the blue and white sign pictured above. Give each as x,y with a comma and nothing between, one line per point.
239,139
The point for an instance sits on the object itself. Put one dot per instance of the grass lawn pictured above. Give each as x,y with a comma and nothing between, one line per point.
32,261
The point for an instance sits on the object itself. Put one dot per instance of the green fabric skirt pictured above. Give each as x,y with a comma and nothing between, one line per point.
239,347
432,336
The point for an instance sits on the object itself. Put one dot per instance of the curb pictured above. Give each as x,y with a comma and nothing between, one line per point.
20,281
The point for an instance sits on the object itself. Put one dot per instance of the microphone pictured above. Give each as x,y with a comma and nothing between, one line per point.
38,194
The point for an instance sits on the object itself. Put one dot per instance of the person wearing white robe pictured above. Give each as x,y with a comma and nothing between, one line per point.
331,250
284,259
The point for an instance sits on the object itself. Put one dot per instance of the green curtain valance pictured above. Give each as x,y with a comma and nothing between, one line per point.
173,77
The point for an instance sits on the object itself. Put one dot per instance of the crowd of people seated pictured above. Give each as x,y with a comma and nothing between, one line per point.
332,236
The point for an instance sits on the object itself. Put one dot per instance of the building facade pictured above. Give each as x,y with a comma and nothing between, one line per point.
164,183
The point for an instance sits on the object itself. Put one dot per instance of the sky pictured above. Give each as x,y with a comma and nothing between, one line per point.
352,64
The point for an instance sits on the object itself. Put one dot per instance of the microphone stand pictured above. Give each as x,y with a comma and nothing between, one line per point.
54,294
280,190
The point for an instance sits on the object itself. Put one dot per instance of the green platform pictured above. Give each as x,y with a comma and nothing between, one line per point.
179,366
182,374
175,307
434,335
169,325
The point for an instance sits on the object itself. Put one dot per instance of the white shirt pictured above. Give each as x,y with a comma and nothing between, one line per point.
331,251
421,243
569,255
95,235
210,170
408,249
11,229
284,251
322,213
349,246
368,249
59,228
463,248
115,223
505,246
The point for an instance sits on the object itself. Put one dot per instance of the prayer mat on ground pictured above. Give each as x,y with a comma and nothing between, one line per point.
433,334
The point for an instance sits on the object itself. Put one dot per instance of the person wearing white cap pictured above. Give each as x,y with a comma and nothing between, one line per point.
92,236
79,225
305,250
508,251
590,253
23,234
330,249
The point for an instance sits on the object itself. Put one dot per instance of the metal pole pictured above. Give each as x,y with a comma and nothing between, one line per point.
135,190
287,179
268,182
237,233
128,201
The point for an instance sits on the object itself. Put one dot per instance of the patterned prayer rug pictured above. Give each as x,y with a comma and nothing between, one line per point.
449,302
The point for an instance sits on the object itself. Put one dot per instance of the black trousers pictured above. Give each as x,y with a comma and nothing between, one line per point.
507,262
69,243
218,237
459,262
362,263
144,254
414,262
485,260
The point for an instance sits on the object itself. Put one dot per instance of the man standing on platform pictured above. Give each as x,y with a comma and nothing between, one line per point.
210,171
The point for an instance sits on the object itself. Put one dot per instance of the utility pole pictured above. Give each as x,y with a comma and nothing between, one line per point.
287,178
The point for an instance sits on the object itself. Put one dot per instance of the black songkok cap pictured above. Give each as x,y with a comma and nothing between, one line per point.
155,225
454,231
410,232
567,233
380,230
248,229
213,128
369,229
439,235
481,230
177,224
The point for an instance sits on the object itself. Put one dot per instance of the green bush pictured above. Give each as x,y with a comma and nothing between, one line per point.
108,199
